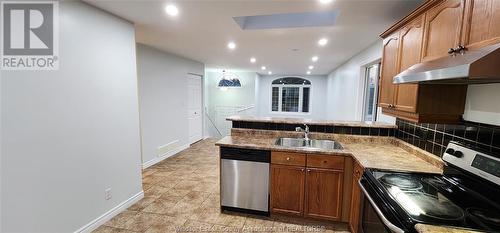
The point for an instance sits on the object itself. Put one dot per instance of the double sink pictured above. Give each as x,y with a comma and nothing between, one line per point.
311,143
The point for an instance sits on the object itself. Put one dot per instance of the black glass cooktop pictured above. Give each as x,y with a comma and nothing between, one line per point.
442,200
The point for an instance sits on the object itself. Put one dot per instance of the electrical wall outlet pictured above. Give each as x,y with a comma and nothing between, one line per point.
107,194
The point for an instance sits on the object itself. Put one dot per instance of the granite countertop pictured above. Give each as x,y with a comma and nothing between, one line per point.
371,152
423,228
310,121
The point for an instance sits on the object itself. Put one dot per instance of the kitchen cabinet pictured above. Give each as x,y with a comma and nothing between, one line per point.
443,27
323,193
388,70
287,189
410,47
355,213
481,21
309,185
423,36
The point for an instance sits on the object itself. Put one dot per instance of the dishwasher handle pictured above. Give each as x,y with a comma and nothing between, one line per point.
229,153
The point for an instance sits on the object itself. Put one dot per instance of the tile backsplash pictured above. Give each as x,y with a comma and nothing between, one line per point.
372,131
435,137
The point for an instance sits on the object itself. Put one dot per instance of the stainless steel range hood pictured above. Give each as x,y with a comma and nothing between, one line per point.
472,67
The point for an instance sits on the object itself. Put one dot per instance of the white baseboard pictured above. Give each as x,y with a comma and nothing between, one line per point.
94,224
159,159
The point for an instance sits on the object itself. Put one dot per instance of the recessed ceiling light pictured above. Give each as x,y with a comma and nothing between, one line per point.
263,68
231,45
308,72
314,59
270,72
311,67
253,60
171,10
325,1
323,41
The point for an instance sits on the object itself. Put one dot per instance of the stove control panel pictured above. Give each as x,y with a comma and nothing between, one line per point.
478,163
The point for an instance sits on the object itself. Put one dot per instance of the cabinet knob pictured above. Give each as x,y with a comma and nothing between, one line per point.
308,170
287,158
451,51
302,169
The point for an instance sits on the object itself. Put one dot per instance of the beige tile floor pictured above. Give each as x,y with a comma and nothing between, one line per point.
182,195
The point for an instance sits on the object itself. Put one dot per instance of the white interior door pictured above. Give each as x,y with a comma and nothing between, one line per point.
195,122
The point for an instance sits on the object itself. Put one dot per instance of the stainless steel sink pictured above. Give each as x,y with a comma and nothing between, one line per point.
312,143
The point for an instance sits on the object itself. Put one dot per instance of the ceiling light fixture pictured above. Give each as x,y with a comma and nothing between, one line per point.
314,59
172,10
308,72
253,60
270,72
231,45
325,1
263,68
323,41
311,67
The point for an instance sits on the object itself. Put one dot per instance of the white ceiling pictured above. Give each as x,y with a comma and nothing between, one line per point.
203,28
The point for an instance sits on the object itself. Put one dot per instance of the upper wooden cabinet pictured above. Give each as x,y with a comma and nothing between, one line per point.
389,70
428,33
443,27
481,23
410,52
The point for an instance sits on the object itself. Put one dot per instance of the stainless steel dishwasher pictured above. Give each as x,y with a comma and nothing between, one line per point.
244,180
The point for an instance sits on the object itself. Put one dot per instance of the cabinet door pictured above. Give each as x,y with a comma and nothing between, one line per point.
355,200
324,193
389,70
410,48
287,189
482,20
443,26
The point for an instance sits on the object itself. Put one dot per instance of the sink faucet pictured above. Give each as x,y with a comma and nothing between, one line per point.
306,132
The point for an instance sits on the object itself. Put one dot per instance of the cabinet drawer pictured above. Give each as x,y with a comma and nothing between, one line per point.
326,161
287,158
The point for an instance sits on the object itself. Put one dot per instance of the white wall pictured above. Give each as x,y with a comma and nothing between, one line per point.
316,104
220,103
163,101
67,135
345,87
482,104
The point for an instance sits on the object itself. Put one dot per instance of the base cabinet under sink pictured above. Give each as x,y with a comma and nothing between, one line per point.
307,185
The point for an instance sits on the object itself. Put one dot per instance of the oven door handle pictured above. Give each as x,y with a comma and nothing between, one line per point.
391,226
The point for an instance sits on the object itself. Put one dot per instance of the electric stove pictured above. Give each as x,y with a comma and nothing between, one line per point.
466,195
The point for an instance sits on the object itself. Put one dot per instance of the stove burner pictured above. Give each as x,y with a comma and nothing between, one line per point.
430,206
487,216
436,182
404,182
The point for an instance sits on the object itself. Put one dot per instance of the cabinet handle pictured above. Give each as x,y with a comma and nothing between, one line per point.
287,158
451,51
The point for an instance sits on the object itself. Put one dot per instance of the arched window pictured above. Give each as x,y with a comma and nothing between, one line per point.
290,94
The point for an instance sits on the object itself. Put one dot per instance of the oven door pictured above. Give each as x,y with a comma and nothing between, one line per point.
376,216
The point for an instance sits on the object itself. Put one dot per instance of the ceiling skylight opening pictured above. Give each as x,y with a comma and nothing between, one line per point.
288,20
